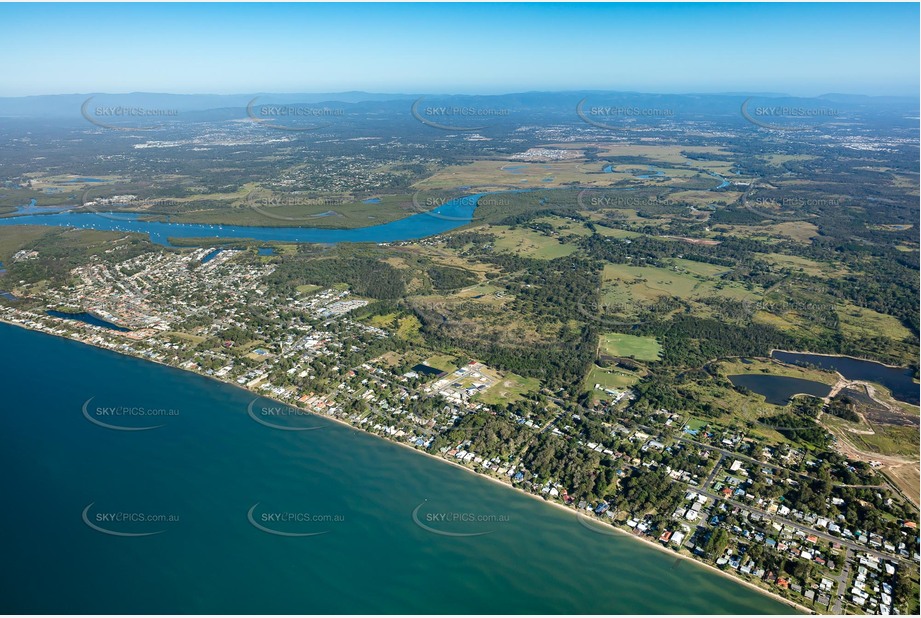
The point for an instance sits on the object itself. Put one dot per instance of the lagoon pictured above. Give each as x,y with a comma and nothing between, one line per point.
87,318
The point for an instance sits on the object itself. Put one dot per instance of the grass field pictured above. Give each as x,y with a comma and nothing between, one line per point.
409,328
564,226
445,362
296,211
511,387
702,269
381,321
889,440
861,322
796,264
194,339
574,170
530,243
307,288
612,378
626,285
640,348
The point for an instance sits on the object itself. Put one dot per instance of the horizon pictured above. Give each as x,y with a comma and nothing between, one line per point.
407,93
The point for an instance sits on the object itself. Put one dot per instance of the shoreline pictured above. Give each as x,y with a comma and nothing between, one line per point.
508,485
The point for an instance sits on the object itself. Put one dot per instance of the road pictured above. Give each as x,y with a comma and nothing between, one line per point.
713,474
842,580
819,533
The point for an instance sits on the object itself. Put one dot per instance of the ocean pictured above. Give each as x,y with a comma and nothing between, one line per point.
201,509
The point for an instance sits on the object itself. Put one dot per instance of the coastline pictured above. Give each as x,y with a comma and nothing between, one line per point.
564,508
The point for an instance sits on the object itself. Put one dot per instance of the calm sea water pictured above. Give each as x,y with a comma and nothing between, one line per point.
208,468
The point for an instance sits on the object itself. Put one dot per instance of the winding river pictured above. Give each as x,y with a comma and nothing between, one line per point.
446,217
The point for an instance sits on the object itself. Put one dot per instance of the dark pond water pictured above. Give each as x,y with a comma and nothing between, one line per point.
897,379
779,389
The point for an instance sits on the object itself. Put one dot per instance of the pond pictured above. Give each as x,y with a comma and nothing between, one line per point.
779,389
897,379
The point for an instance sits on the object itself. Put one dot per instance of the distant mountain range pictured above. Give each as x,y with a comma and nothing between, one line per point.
68,105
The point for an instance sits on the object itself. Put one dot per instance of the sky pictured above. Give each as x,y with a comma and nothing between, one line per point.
798,49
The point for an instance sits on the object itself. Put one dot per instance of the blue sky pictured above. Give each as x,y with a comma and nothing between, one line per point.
801,49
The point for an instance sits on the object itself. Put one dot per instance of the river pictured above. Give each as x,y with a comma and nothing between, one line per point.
446,217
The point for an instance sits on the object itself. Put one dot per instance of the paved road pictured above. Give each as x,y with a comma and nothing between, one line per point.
716,469
842,580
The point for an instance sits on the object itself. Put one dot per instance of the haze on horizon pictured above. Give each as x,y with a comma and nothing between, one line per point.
797,49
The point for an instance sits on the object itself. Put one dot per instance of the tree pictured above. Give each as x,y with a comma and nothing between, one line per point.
717,543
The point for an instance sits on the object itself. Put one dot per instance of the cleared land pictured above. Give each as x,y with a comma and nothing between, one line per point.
640,348
527,242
